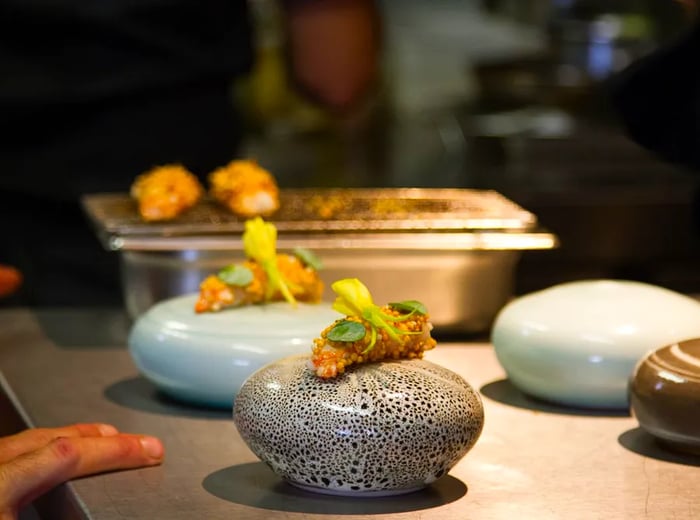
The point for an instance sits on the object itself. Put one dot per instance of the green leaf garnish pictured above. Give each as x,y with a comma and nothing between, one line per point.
347,330
308,258
354,299
410,306
236,275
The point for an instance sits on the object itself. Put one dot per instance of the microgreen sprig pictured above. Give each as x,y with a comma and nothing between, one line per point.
354,299
308,258
237,275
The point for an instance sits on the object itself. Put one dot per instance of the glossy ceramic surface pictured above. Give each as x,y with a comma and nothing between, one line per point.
204,358
578,343
379,429
665,394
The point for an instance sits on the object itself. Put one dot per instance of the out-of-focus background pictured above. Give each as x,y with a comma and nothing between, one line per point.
510,95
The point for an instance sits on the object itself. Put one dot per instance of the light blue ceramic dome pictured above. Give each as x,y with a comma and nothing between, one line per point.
578,343
205,358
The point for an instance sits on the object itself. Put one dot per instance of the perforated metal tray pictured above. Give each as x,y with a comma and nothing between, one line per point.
390,216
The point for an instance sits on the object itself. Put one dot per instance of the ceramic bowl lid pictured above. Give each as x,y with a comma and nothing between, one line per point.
272,320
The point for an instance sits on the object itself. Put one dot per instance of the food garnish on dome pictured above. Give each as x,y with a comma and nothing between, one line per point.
369,333
265,276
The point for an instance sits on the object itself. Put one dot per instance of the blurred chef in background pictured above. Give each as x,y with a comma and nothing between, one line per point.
94,93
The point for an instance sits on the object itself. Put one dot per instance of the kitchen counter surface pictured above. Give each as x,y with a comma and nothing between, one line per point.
533,460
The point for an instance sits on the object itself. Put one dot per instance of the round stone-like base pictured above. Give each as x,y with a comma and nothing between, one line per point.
375,430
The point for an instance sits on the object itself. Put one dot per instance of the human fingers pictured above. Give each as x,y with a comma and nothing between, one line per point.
32,474
10,280
35,438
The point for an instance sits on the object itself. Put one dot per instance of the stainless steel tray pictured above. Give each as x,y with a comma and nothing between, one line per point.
455,249
322,218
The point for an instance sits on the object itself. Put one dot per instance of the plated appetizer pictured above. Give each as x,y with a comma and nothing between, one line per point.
369,333
265,276
245,188
165,192
378,429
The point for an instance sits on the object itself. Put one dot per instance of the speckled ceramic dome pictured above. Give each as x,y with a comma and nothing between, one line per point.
379,429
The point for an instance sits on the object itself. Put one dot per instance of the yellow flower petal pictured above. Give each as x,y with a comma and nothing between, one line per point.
353,297
260,240
340,306
260,245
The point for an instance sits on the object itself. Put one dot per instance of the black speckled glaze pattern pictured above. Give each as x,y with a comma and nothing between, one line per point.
378,428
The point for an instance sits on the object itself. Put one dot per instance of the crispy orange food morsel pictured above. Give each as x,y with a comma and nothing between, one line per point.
165,192
303,281
265,276
245,188
10,280
369,333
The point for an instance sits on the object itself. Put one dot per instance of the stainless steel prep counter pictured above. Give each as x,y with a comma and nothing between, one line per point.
533,460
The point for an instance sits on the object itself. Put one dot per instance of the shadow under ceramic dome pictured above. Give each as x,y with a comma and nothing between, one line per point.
505,392
138,393
643,443
65,327
255,485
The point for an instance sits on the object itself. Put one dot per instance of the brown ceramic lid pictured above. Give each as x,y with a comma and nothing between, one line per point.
665,394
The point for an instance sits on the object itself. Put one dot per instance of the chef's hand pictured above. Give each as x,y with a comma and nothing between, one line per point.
36,460
10,280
